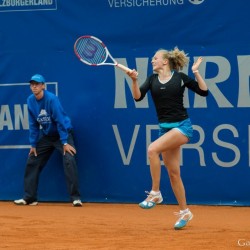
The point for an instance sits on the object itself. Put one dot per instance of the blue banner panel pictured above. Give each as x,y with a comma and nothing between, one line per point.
112,130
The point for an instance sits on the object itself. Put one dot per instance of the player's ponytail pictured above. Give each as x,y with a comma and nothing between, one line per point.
177,58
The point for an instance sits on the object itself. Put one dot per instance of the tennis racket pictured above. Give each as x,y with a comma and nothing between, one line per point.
92,51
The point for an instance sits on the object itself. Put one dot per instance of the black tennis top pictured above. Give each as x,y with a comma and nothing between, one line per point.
168,97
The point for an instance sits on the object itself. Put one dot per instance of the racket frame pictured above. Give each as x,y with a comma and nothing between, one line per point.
103,63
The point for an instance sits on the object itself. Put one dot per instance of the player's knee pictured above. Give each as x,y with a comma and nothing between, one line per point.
174,175
152,152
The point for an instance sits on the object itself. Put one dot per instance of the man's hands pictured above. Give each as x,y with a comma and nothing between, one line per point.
32,151
68,148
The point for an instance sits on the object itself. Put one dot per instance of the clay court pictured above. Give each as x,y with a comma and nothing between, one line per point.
59,226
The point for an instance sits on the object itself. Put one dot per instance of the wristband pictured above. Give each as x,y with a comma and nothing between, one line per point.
196,71
65,144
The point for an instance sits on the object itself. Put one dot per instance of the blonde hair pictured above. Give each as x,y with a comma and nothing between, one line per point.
177,58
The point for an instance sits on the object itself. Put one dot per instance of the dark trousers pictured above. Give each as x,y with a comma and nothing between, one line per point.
35,164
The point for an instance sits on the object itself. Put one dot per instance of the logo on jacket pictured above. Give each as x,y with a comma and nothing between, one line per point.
43,117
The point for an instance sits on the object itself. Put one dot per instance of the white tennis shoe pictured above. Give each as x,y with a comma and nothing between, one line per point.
152,199
184,218
23,202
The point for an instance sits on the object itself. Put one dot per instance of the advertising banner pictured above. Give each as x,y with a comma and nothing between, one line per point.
112,131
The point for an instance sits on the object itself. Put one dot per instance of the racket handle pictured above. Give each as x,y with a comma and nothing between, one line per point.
124,68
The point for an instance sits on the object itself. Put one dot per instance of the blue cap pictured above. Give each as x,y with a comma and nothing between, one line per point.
37,78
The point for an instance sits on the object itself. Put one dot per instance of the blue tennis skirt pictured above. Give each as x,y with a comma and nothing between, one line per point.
185,127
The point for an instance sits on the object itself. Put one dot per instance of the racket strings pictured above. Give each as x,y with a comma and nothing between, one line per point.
91,51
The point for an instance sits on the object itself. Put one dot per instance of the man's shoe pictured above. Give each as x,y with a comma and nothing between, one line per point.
152,199
77,203
184,218
23,202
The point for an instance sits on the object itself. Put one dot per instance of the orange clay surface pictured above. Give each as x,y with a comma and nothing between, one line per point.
59,226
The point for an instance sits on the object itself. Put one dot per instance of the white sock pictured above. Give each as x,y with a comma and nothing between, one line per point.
185,211
154,192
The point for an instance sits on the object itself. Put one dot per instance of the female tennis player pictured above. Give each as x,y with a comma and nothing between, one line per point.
167,86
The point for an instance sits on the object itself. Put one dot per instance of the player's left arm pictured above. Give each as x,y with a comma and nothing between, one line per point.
199,79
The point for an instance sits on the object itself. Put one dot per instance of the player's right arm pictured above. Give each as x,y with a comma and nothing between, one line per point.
135,87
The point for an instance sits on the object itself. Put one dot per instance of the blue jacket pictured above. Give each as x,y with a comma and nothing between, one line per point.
49,114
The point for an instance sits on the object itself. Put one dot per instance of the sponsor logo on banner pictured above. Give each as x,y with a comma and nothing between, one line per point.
149,3
27,5
238,134
196,1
